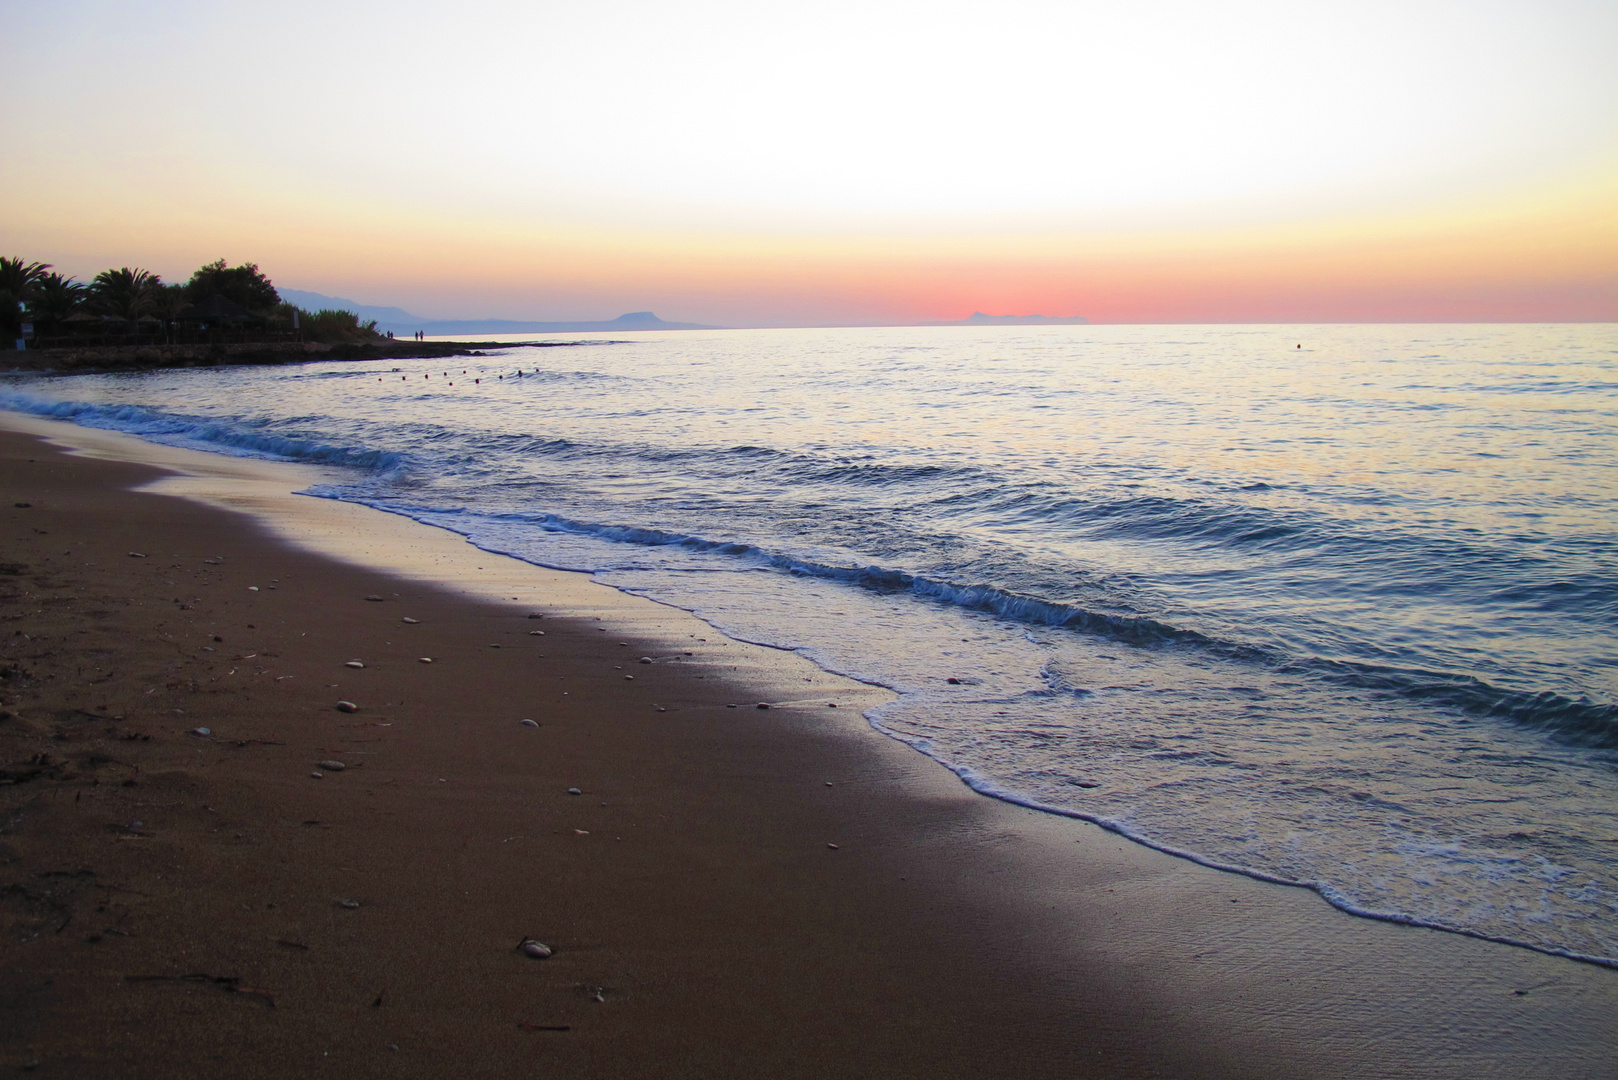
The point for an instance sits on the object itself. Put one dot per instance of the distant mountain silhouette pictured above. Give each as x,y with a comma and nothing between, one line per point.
403,322
977,318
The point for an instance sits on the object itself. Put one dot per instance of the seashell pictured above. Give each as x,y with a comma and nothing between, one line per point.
409,620
529,723
331,765
536,949
354,664
347,706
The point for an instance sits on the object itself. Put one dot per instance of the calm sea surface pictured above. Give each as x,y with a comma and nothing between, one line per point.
1344,615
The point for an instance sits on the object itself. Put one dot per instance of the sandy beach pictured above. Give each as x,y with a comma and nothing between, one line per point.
729,890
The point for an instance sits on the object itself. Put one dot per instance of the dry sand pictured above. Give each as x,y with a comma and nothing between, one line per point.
178,905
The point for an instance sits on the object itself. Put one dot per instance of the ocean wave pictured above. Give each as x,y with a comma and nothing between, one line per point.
236,438
1577,722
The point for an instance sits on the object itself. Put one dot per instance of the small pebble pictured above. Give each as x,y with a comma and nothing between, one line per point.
317,776
536,949
136,555
411,621
529,723
424,659
252,588
645,660
834,847
629,678
574,791
354,664
347,706
204,732
332,765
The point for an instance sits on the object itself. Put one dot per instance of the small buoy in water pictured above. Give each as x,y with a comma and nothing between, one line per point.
331,765
347,706
354,664
529,723
536,949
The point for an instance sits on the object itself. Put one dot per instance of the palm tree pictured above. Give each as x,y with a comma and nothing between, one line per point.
53,299
167,303
18,277
126,293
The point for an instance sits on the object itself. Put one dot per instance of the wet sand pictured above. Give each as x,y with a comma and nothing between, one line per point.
733,892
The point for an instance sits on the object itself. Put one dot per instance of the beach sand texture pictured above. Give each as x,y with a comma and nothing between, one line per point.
731,892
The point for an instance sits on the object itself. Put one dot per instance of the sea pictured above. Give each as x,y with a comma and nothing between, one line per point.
1326,605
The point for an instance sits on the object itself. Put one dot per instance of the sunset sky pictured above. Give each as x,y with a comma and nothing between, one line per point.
832,163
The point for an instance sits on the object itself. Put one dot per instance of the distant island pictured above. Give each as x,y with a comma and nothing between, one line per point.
977,318
400,321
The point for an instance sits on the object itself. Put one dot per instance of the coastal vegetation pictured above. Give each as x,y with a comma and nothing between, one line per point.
133,306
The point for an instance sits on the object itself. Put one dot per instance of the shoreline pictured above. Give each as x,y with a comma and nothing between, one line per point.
952,932
94,359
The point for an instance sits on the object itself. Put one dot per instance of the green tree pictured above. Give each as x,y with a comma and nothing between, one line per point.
10,318
51,300
126,293
333,326
169,300
18,277
245,285
54,298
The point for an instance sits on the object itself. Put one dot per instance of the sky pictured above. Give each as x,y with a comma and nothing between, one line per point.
833,163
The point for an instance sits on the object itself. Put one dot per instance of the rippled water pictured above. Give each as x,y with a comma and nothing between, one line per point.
1341,615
